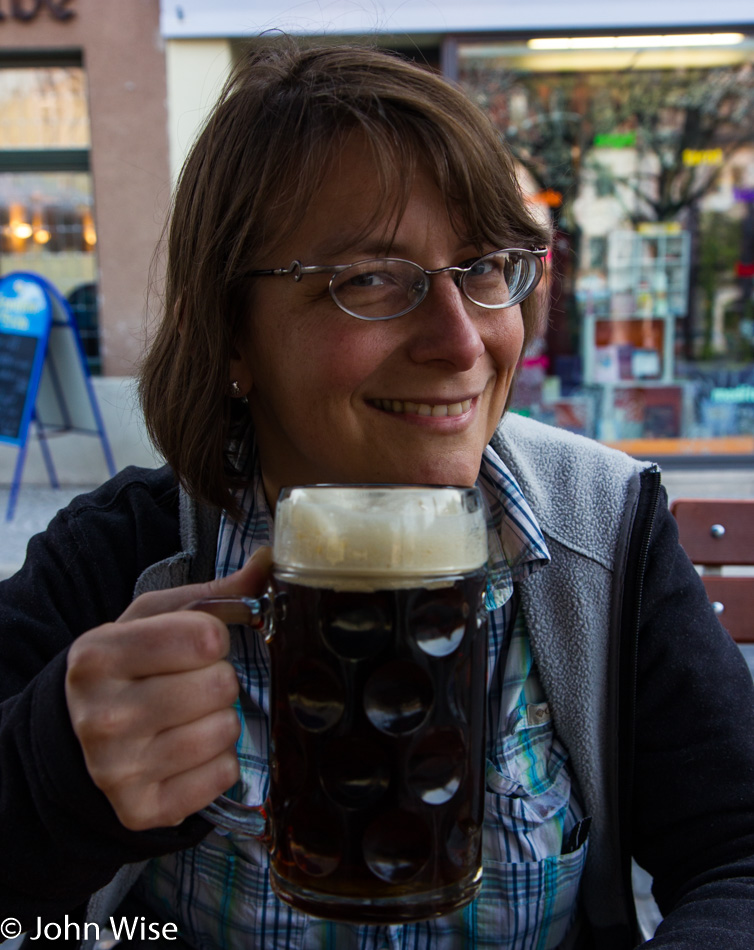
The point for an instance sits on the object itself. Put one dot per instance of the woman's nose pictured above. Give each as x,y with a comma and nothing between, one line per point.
445,327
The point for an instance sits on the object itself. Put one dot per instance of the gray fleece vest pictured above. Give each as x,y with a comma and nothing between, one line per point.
584,496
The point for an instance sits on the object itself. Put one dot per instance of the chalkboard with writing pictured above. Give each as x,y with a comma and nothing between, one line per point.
16,367
25,318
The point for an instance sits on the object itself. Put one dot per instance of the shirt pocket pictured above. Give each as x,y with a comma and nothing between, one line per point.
535,836
529,786
527,753
531,904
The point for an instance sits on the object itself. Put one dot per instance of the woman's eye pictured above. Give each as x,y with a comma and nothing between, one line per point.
371,279
483,267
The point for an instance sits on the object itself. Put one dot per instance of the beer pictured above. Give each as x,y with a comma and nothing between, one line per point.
377,727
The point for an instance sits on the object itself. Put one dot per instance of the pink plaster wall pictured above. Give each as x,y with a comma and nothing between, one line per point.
124,59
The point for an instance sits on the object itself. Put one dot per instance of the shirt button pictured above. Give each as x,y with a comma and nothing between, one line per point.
539,713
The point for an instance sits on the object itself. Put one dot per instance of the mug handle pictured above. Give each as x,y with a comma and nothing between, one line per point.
245,821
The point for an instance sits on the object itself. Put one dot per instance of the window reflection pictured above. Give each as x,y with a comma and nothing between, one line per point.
46,213
44,107
643,162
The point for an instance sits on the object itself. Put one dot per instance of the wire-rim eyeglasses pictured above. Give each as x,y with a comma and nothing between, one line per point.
387,287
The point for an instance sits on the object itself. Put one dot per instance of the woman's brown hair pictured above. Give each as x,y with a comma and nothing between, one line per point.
246,184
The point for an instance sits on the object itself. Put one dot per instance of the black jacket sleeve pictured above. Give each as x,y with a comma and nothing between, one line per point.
693,800
60,840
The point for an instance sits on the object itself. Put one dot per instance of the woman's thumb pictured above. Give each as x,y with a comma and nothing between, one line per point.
248,581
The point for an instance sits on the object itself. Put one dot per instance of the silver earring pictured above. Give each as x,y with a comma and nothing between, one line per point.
235,390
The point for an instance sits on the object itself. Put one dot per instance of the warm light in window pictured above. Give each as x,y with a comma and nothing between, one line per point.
42,235
88,231
636,42
21,230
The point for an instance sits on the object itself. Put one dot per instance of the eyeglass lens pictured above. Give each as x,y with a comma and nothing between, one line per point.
385,288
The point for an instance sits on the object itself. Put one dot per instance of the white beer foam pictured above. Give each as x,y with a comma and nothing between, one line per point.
373,531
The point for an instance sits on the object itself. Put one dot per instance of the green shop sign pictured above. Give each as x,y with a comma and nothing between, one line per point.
615,140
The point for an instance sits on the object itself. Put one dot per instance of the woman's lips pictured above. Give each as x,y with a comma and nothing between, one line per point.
437,410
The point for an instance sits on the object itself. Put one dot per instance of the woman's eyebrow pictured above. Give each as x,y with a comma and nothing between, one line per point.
356,246
345,249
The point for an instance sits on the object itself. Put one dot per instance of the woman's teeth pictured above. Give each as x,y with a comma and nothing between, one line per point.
424,408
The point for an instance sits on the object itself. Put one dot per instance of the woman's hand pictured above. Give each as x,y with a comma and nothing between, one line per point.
151,701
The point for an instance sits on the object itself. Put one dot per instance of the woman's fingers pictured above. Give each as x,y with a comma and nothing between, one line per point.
151,701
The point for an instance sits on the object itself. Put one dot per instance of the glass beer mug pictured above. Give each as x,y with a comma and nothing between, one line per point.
376,628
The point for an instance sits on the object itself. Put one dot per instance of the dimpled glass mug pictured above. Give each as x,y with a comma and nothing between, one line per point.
377,634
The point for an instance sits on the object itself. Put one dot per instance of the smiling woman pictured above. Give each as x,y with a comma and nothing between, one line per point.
401,167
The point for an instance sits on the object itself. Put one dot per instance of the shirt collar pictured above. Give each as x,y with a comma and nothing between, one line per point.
517,547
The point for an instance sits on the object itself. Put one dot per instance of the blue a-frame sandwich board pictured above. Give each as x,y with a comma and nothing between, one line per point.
44,377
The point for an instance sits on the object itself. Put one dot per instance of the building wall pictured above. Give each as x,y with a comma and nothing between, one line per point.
124,58
196,71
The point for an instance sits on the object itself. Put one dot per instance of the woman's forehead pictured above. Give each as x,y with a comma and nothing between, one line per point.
358,207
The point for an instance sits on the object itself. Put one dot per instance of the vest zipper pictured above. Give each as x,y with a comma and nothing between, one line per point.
653,473
644,521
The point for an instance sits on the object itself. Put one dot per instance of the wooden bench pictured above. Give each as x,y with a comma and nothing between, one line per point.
718,533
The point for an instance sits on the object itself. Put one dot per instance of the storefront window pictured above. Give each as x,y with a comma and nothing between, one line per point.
640,151
43,107
47,222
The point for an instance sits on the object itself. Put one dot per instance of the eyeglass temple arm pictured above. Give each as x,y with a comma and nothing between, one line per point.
297,269
292,268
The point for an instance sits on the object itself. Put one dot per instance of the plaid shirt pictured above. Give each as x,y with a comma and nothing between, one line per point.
533,849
